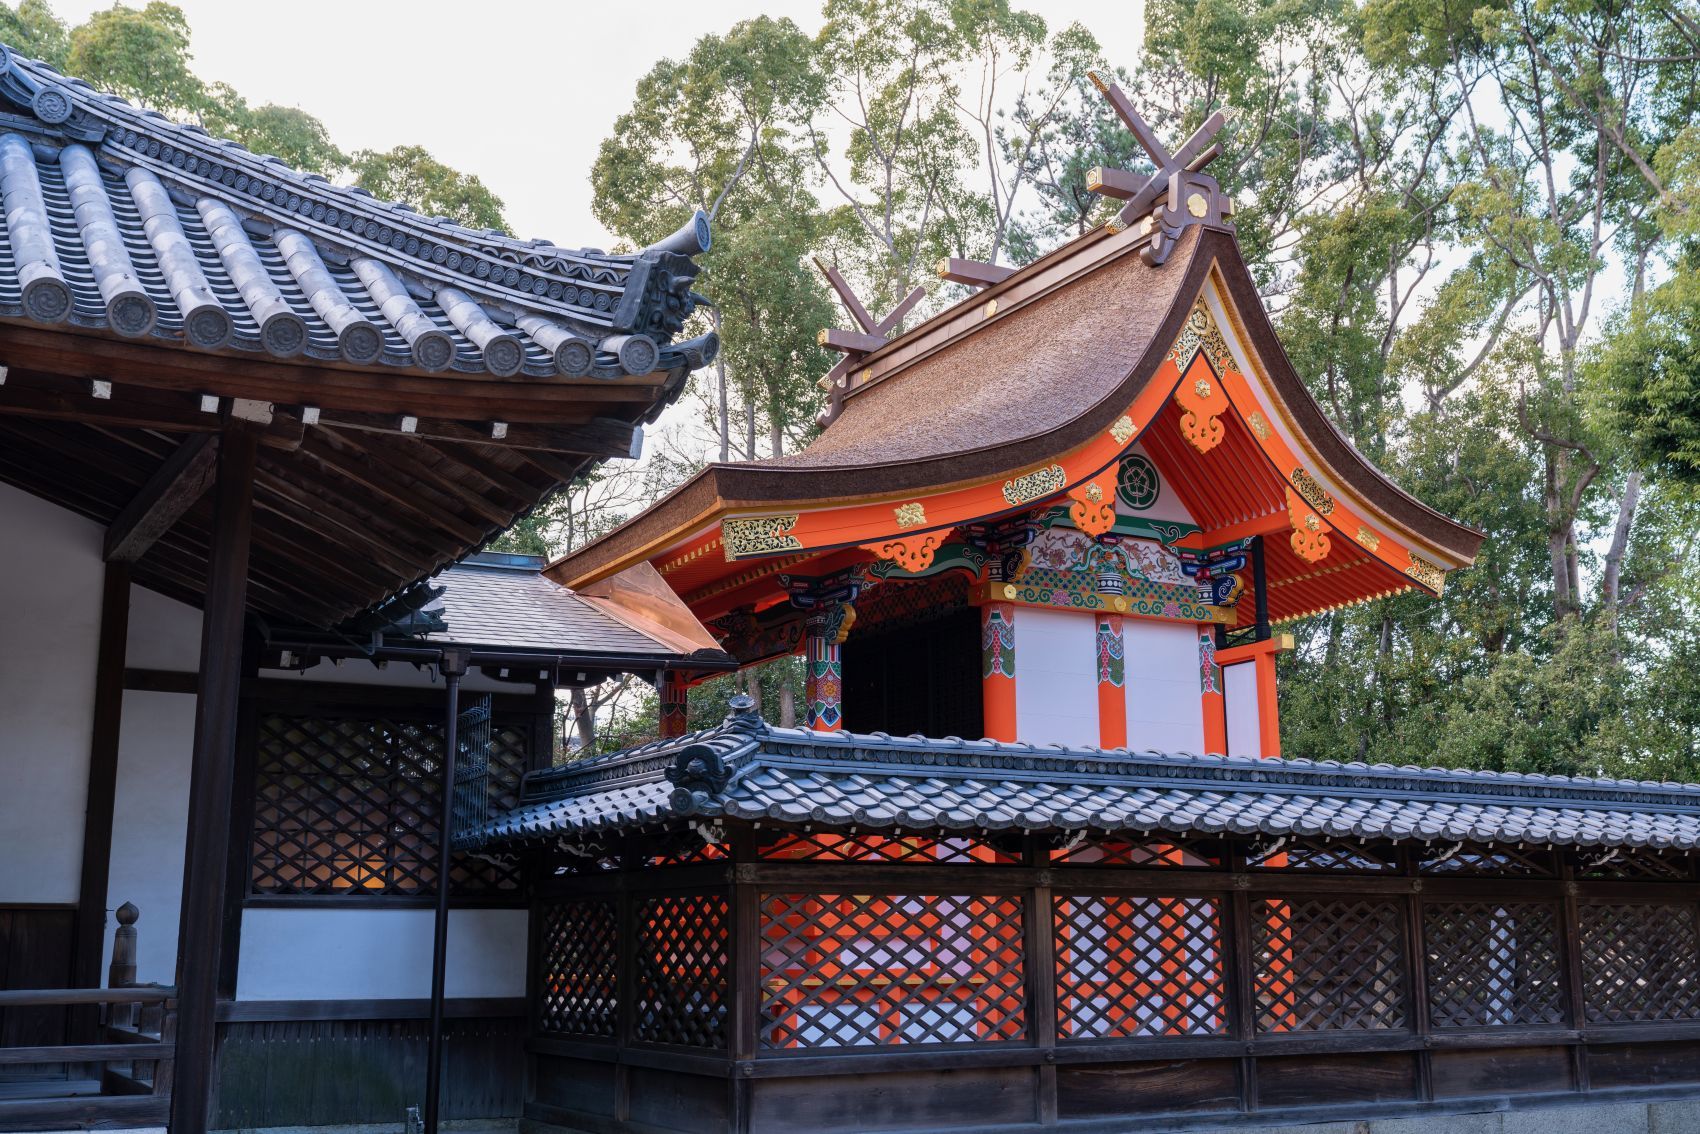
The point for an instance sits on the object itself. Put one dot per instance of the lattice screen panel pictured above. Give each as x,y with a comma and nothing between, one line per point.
1327,964
1300,853
1638,962
827,847
578,967
860,970
1493,963
1138,966
348,806
1490,861
1638,864
1173,850
683,969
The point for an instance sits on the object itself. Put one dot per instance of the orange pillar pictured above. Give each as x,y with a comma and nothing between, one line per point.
1112,679
1213,704
1268,713
675,711
997,669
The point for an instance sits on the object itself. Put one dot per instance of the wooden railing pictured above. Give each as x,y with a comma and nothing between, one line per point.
122,1076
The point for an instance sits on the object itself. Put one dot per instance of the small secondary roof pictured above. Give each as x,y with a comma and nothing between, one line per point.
748,770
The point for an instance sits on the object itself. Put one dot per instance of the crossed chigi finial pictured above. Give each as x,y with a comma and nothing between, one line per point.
1174,195
1164,202
855,345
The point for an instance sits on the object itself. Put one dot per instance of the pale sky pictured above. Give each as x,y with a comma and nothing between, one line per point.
520,93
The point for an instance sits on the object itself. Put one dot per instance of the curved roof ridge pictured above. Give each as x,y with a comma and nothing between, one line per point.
494,302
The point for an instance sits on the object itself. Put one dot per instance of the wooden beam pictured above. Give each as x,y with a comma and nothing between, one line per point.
896,314
170,492
28,396
832,338
974,273
599,437
1117,183
846,296
212,769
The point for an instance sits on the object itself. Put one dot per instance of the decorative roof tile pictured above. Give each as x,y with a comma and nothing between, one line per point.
118,218
873,782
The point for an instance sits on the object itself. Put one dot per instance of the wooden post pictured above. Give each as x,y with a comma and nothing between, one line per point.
824,664
1112,683
1260,589
103,777
997,669
212,769
454,665
121,973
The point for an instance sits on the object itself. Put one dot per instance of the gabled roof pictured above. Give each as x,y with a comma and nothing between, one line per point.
502,601
1031,374
416,386
120,219
748,770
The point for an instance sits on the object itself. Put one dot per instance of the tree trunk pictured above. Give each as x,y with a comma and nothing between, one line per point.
725,406
584,721
775,437
1611,588
787,706
1558,536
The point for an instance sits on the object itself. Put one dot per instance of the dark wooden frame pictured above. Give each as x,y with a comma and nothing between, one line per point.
1243,1075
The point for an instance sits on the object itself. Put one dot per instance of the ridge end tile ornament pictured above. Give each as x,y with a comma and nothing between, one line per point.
1175,194
743,537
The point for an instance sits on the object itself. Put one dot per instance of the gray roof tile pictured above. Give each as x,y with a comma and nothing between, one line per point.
841,779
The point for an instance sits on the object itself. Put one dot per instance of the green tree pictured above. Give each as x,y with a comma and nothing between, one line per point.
410,174
141,54
286,132
32,29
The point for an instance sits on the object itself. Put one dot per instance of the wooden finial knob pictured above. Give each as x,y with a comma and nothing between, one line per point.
128,913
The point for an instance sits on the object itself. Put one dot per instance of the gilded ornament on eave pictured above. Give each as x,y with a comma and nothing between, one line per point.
1035,485
910,515
759,535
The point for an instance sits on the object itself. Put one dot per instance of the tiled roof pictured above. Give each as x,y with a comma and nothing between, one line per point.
748,770
118,218
517,608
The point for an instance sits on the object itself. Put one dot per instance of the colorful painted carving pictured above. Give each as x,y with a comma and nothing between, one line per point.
910,515
1137,483
1215,572
1209,673
1093,511
1315,495
1203,402
1035,485
1112,664
1310,536
913,554
758,535
997,644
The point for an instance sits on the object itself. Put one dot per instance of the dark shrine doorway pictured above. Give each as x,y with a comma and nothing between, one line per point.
912,661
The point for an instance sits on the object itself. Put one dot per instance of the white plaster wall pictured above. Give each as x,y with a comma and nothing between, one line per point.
50,590
164,633
150,814
1164,713
1056,676
354,954
1239,690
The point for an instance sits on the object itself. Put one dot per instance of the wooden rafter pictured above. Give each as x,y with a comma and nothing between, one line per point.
170,492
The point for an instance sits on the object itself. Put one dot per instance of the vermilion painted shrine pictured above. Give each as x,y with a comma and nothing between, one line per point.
1037,860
